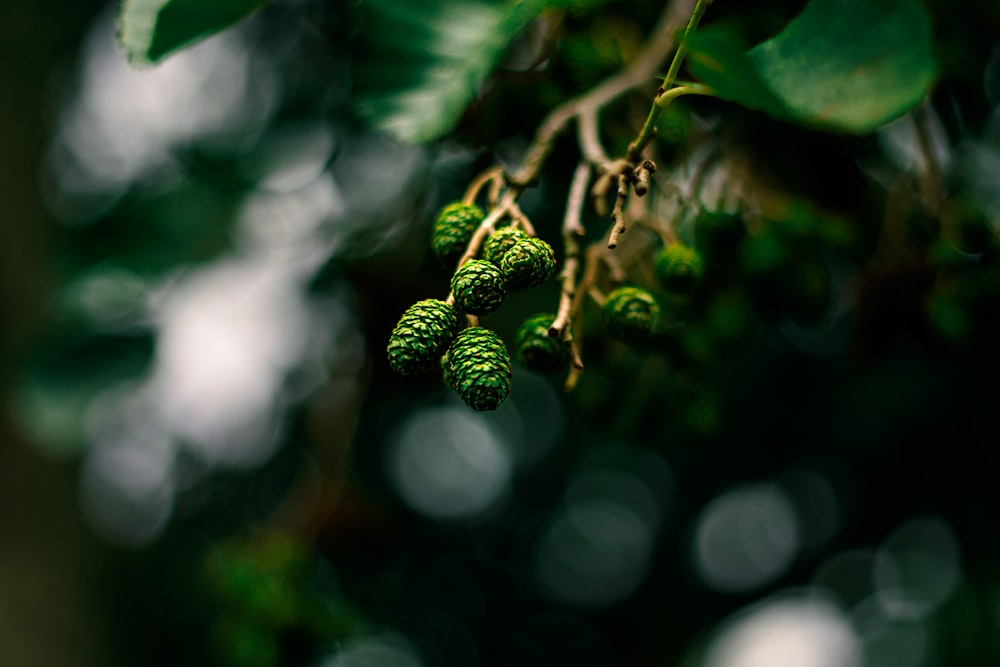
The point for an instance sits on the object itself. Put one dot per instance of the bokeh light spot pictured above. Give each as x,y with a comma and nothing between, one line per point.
917,568
888,641
745,538
447,464
597,549
816,506
389,650
125,125
127,491
790,630
290,156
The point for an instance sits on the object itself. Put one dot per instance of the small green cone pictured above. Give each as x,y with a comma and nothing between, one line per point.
479,287
422,335
528,263
631,315
500,242
478,368
679,268
453,229
536,349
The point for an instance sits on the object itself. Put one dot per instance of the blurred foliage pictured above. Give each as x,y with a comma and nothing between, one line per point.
269,590
152,29
421,65
835,362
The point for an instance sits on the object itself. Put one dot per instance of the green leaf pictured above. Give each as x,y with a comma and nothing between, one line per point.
716,56
148,30
423,62
847,65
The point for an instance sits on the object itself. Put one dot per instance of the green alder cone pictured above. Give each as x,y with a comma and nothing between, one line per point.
528,263
500,242
422,335
679,268
479,287
631,315
453,229
536,349
478,368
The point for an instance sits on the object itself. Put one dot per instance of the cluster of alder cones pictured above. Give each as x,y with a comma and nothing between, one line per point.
473,360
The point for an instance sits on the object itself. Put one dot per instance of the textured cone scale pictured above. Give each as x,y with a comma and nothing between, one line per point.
679,268
631,315
479,287
422,335
502,240
453,228
528,263
536,349
478,368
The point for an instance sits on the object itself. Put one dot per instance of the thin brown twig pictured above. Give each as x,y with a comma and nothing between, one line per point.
575,359
520,220
642,176
571,380
492,177
493,196
597,295
591,265
636,252
607,178
485,228
575,367
576,363
616,272
572,233
589,139
618,223
572,222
